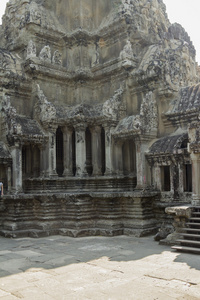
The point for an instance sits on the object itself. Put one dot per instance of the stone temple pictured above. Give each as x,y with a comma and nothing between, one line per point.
99,118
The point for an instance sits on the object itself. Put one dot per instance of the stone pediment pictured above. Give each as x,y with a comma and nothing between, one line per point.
187,101
18,127
4,152
129,126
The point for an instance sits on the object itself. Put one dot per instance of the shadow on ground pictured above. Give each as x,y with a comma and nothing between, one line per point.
19,255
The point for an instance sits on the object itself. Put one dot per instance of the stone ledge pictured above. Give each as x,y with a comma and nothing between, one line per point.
180,211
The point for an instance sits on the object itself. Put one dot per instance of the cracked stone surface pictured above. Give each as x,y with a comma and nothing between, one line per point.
122,267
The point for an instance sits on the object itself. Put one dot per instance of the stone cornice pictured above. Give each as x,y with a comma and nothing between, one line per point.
35,67
180,118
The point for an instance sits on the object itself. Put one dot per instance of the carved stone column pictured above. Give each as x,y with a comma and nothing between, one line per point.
43,160
96,150
16,153
141,148
195,157
52,154
67,143
181,178
157,177
80,150
48,156
9,177
108,150
118,161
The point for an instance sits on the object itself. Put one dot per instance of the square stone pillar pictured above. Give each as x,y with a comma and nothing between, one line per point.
157,177
67,157
108,150
43,160
9,178
118,160
16,153
80,141
141,148
52,154
181,178
96,150
195,158
48,157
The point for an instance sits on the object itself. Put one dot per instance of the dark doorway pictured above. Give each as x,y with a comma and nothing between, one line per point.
165,178
188,178
103,154
129,157
74,153
59,152
30,161
88,137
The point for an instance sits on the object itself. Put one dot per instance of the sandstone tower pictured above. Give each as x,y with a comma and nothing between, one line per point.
99,117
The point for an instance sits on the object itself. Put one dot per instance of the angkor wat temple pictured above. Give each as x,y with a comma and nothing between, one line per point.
99,117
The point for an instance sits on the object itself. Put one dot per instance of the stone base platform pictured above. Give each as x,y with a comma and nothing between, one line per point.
77,214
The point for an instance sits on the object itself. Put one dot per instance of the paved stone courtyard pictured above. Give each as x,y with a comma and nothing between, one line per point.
122,267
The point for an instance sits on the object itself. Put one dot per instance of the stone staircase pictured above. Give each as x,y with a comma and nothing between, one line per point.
189,240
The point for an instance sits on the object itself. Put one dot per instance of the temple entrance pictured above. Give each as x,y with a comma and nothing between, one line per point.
30,161
129,157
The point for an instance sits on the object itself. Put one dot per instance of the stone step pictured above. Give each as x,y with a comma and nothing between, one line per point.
190,242
193,224
186,249
190,235
196,219
191,229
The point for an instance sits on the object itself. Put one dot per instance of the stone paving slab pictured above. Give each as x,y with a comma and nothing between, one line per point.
122,267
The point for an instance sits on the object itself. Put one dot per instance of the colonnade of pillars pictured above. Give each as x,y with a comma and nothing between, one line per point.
77,151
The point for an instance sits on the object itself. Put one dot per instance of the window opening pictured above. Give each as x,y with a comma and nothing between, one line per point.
165,178
184,144
188,178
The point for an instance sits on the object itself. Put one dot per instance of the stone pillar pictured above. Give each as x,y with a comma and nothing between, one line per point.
181,178
16,153
67,144
9,177
108,150
52,154
96,150
141,148
80,151
48,157
157,177
195,157
118,161
43,160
